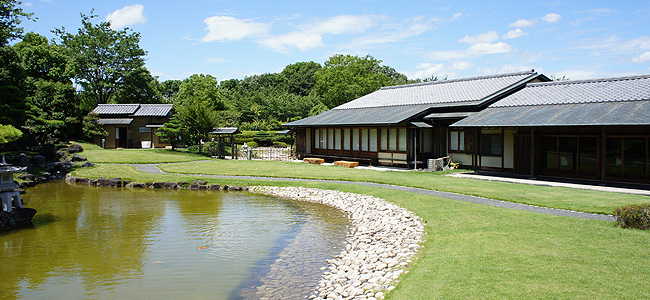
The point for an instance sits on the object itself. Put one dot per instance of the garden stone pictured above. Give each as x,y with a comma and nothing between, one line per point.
88,164
200,182
75,148
26,177
77,157
39,161
48,151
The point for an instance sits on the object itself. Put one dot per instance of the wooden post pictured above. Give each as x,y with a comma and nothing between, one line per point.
603,156
532,154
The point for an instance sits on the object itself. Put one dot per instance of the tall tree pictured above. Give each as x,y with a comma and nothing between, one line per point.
346,77
12,88
139,86
197,103
42,60
11,16
103,57
300,77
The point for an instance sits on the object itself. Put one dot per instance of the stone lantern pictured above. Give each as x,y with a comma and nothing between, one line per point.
9,196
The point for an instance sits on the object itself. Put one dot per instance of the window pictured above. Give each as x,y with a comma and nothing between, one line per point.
492,144
384,139
330,138
337,139
456,140
402,139
392,139
317,138
346,139
145,130
355,139
373,140
364,139
323,136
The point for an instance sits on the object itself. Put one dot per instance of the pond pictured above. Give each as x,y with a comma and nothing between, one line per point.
118,243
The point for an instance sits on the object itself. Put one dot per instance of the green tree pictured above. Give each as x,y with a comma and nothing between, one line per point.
42,60
168,90
103,58
91,126
346,77
300,78
11,16
139,86
52,109
171,131
9,134
12,88
197,104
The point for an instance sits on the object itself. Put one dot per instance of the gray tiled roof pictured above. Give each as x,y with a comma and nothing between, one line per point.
116,109
362,116
597,102
437,92
581,91
225,130
115,121
153,110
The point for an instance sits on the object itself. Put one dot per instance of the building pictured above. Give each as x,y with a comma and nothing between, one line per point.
132,125
404,125
588,129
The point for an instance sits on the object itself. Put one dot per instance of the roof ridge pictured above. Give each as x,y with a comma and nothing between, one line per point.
592,80
531,72
568,103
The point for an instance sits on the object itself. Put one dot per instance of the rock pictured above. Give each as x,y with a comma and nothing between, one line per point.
214,187
82,180
49,152
22,160
136,185
88,164
112,182
314,161
26,177
347,164
200,182
94,182
28,183
182,183
125,182
76,157
149,184
39,161
75,148
170,185
234,188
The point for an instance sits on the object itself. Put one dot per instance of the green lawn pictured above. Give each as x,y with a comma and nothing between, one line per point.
474,251
96,154
556,197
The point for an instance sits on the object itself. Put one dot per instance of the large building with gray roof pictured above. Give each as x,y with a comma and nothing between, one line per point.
403,125
588,129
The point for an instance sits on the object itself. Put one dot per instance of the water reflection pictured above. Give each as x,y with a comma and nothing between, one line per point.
108,243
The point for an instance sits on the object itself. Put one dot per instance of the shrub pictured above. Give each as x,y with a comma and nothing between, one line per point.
251,144
280,144
633,216
285,138
263,138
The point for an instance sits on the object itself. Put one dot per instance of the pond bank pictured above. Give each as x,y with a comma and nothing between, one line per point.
381,244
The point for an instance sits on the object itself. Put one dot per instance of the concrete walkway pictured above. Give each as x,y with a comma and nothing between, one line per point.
153,169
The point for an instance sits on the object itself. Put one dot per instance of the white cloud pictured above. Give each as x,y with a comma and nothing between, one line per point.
126,16
488,48
429,70
215,60
446,55
523,23
486,37
552,17
342,24
394,33
456,16
513,34
462,65
301,40
645,57
225,28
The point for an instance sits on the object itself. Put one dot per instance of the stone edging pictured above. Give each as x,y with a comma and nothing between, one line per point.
382,242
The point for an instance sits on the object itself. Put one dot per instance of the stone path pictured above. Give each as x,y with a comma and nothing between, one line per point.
153,169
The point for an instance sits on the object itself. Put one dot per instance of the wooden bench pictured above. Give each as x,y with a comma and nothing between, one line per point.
346,158
347,164
313,160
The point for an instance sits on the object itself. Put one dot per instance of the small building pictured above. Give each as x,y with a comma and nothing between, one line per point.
132,125
403,125
588,129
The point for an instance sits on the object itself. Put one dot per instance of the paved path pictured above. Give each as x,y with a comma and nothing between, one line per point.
153,169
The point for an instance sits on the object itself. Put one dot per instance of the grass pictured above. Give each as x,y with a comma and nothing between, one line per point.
474,251
97,154
556,197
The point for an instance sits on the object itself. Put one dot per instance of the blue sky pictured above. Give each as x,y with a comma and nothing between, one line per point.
233,39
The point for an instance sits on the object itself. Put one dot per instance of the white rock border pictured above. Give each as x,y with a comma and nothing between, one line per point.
382,241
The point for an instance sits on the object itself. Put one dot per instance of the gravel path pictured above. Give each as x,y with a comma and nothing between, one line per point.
153,169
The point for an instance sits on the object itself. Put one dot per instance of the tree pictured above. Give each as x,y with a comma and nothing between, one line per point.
197,103
139,86
42,60
345,77
168,90
300,78
9,134
91,126
52,108
12,88
104,58
171,131
10,18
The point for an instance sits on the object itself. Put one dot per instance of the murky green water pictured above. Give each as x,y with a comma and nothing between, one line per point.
111,243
